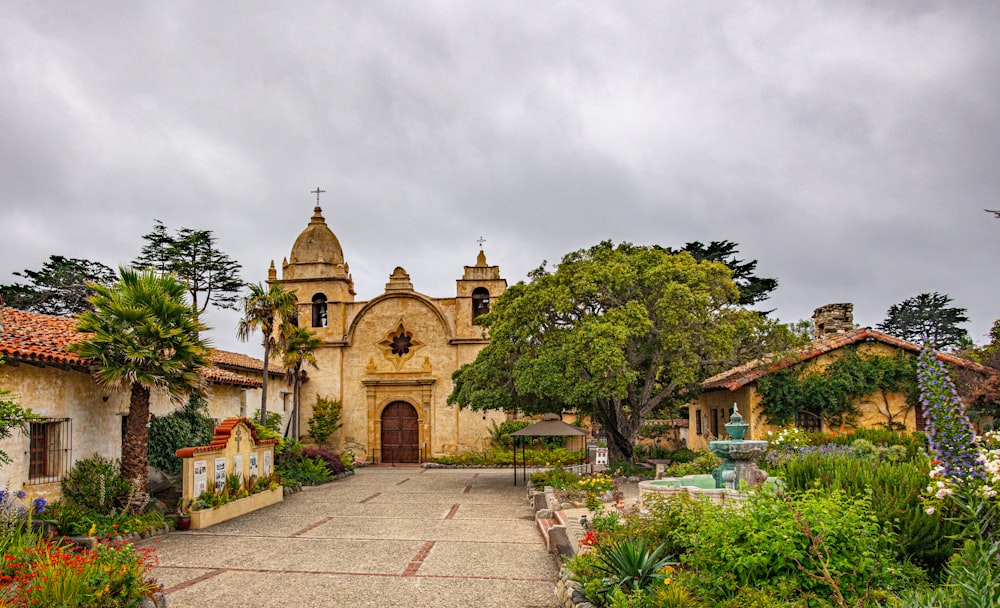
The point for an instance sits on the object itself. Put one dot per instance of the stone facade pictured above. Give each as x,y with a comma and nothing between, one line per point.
389,360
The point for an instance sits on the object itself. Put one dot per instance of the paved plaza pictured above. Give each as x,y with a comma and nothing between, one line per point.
403,536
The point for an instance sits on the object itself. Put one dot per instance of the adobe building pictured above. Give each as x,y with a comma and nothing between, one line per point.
78,416
834,331
389,360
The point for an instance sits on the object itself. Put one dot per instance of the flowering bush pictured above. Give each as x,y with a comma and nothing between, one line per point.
789,436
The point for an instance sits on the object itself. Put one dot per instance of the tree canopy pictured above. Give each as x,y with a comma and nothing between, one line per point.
614,332
194,257
59,287
753,289
928,318
142,335
269,310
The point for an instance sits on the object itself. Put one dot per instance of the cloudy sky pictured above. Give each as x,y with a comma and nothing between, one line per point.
851,149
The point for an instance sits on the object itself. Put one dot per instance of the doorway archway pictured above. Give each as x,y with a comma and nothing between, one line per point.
400,433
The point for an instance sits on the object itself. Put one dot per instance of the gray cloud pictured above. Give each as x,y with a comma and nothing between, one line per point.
849,148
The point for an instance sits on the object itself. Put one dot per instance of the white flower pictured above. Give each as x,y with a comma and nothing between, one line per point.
929,510
944,492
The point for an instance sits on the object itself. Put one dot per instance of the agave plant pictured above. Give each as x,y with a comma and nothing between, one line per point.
632,564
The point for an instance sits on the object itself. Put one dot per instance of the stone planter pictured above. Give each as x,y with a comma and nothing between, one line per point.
210,517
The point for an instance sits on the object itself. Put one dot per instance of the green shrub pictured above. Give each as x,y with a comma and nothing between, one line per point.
96,484
682,455
307,471
500,433
273,422
495,457
325,419
815,545
558,478
703,463
895,487
186,427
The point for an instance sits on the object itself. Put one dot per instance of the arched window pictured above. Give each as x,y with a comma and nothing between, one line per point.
319,310
480,302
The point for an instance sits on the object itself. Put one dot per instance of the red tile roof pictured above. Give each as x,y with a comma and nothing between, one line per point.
30,336
221,438
241,362
749,373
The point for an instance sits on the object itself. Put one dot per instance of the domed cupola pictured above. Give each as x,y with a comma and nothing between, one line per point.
316,253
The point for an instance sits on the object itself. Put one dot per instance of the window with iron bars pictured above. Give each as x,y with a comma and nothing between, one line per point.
50,449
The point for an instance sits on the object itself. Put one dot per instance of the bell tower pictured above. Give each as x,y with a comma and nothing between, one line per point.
475,292
319,276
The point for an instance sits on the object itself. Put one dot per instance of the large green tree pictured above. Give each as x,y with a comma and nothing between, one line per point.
59,287
614,332
142,335
753,289
298,346
266,309
212,277
928,318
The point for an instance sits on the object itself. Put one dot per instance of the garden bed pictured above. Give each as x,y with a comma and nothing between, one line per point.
209,517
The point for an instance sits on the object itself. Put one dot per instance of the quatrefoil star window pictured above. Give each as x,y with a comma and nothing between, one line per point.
399,345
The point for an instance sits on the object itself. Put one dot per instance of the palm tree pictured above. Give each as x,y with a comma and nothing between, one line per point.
299,346
143,334
262,308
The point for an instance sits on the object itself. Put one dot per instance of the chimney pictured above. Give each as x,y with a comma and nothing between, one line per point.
833,319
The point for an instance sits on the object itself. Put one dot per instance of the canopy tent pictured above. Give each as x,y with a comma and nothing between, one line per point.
551,425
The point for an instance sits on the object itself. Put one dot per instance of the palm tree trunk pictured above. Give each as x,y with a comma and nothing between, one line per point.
263,386
136,440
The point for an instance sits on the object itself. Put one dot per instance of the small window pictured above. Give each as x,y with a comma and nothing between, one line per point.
697,422
480,302
808,421
50,450
319,310
921,418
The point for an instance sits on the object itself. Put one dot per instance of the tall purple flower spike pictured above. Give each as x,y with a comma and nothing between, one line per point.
949,430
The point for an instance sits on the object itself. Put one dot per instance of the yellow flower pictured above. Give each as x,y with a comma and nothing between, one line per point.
93,529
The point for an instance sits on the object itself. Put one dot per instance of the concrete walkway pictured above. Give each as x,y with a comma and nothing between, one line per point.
385,537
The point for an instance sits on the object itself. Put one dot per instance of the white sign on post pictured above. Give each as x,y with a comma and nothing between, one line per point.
200,476
267,463
220,474
601,458
238,465
253,464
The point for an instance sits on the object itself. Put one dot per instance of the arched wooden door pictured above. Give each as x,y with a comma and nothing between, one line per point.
400,433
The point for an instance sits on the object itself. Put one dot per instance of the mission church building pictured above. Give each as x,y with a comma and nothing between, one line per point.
389,360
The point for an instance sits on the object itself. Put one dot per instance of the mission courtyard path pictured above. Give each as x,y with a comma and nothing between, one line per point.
385,537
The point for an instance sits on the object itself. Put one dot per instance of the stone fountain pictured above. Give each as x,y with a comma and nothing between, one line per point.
738,456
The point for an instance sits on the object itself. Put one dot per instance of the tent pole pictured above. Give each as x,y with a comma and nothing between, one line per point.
515,461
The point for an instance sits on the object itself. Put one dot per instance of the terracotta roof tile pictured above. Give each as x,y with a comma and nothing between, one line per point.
748,373
221,437
241,362
30,336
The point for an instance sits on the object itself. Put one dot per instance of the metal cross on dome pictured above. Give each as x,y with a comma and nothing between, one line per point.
480,240
317,192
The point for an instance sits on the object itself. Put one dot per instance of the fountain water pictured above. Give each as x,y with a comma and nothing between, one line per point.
737,456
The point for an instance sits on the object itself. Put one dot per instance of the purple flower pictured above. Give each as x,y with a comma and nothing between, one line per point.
38,505
950,433
21,494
